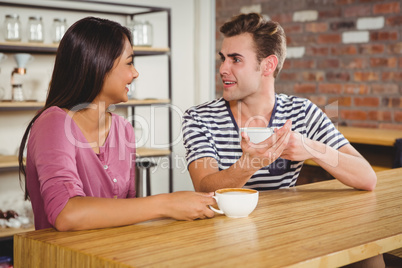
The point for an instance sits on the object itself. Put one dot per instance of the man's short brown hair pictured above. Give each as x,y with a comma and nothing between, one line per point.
268,36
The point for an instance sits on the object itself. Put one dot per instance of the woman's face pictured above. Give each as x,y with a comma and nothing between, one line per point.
116,83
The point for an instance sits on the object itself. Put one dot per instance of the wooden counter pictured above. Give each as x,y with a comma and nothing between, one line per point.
324,224
372,136
376,145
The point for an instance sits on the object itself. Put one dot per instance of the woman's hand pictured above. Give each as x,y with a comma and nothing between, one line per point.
187,205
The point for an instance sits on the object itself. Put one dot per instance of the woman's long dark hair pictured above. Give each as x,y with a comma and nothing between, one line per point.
85,55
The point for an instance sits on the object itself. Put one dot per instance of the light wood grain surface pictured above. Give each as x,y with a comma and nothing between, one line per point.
372,136
9,232
324,224
7,161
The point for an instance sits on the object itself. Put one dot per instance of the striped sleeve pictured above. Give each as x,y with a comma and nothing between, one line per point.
196,138
320,128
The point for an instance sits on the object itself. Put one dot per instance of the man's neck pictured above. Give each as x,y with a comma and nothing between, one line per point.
253,111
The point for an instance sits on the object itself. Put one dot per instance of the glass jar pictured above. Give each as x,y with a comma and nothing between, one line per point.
35,29
59,28
142,33
136,33
147,34
12,26
17,93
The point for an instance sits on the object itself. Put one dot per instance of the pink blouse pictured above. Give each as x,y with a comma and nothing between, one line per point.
61,164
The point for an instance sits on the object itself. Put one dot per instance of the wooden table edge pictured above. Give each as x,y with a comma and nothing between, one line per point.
347,256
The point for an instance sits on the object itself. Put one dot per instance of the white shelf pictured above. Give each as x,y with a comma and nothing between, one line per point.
11,161
47,48
36,105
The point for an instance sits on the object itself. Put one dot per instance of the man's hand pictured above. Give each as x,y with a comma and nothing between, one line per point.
257,156
299,148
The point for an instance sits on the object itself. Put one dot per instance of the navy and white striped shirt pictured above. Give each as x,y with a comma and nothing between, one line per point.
210,130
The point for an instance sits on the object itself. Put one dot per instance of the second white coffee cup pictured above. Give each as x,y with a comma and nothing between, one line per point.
257,134
235,202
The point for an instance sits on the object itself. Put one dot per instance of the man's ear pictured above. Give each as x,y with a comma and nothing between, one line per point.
269,65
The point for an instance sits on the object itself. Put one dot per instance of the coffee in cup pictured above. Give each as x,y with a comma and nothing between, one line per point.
235,202
257,134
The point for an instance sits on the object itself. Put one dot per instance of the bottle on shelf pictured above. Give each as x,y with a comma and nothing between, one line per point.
17,93
12,26
35,29
59,28
142,33
2,90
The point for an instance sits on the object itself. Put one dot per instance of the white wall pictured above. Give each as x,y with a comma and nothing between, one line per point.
192,82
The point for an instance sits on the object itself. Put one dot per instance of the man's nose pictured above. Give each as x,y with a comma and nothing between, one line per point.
224,68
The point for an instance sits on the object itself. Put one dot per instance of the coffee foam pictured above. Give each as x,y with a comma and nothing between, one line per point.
236,191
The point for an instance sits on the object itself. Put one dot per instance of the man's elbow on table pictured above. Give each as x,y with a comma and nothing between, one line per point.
370,181
373,182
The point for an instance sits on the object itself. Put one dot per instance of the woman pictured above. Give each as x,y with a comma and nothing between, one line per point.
81,158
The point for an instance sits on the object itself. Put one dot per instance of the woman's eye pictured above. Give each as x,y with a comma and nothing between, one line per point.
131,61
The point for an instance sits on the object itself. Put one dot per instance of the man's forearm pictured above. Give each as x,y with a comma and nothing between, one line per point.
346,165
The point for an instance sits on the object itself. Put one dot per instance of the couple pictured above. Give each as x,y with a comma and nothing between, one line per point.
85,187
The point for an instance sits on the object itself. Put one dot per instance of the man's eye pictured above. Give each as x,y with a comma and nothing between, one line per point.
236,60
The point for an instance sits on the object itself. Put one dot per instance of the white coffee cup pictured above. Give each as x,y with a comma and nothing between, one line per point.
235,202
257,134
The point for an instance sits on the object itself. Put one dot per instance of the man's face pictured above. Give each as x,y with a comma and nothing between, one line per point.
239,70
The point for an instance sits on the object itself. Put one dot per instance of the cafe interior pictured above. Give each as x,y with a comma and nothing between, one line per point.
342,55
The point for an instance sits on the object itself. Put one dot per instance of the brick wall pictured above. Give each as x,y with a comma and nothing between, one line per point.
344,55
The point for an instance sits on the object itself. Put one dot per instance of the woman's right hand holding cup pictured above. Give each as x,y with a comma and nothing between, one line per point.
187,205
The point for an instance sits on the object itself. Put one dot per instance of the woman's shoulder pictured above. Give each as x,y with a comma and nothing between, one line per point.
120,122
55,120
54,111
52,115
53,125
119,119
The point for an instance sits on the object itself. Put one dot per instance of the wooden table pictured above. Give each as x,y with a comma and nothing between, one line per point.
324,224
372,136
376,145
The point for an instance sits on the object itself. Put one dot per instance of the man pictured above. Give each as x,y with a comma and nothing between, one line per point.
252,53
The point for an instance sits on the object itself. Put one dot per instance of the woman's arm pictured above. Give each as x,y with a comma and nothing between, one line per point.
82,213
